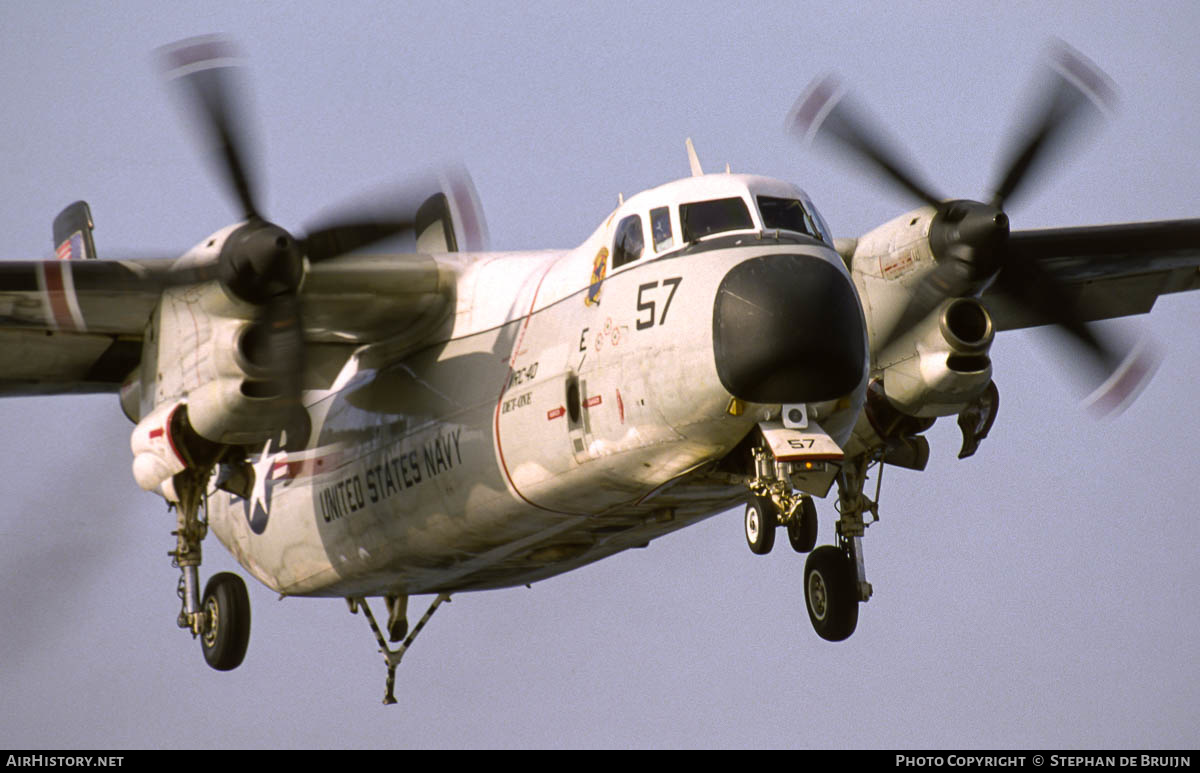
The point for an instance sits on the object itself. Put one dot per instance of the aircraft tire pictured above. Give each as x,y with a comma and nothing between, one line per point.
802,528
760,522
226,604
830,593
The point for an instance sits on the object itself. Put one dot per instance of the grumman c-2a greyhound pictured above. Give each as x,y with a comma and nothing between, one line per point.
387,425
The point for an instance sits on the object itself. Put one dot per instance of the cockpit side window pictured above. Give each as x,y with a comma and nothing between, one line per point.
787,215
822,226
628,242
703,218
660,227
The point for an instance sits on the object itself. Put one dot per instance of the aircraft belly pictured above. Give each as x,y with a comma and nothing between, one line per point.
288,557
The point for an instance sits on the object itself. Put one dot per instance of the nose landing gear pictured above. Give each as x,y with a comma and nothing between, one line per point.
763,516
761,519
835,581
773,502
802,525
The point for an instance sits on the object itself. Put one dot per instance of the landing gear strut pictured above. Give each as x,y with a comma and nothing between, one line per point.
222,619
190,532
835,578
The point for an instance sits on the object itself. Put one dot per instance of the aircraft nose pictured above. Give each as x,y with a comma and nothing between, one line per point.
788,329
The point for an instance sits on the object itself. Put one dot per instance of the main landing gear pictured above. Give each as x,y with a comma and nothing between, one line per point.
835,579
221,618
226,625
830,593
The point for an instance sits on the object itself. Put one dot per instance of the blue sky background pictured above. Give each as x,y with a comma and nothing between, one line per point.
1039,594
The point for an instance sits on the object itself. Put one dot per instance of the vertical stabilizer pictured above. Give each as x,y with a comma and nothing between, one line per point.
452,219
73,233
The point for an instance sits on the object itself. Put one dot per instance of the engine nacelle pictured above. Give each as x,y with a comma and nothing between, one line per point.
942,365
887,265
156,456
240,404
164,444
199,351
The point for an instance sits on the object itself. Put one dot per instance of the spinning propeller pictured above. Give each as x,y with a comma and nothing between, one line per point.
970,239
260,262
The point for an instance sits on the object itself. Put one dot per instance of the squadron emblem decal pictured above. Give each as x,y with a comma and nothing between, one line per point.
599,268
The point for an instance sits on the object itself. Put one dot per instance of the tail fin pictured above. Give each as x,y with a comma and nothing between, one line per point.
73,233
452,220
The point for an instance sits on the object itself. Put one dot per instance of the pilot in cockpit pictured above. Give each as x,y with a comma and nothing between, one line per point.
660,226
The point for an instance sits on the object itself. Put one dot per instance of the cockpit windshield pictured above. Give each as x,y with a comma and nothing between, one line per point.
789,215
704,218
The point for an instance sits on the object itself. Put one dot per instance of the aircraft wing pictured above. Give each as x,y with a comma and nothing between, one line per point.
1110,270
76,327
70,327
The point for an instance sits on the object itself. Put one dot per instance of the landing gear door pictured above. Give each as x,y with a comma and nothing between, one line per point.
813,455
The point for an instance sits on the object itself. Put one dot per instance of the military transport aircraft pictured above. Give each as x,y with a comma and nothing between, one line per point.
355,425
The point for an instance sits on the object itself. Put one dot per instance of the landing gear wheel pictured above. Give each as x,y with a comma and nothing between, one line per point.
761,520
802,528
226,609
830,593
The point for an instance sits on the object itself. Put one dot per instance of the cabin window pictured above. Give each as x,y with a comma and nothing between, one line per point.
660,228
704,218
629,242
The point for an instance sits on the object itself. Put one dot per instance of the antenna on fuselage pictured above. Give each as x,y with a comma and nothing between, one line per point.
693,159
